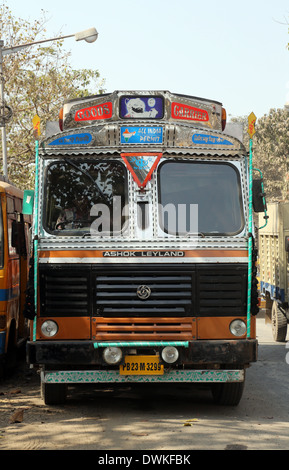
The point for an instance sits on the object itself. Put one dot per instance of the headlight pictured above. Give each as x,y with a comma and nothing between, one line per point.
112,356
170,354
49,328
238,327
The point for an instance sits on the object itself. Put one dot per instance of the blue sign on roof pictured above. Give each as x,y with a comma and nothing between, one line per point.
141,135
73,139
208,139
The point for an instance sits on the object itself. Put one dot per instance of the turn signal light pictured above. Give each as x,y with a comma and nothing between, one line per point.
224,118
61,119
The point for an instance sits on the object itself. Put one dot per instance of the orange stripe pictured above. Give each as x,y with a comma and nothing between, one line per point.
99,254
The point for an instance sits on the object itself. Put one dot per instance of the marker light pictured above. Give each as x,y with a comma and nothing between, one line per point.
61,119
170,354
112,355
49,328
238,327
224,118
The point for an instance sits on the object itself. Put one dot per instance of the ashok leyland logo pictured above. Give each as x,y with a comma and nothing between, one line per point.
143,292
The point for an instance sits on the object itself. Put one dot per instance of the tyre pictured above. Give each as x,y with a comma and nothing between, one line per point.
228,394
279,323
53,394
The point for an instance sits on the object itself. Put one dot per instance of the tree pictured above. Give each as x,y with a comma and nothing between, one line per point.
271,151
37,81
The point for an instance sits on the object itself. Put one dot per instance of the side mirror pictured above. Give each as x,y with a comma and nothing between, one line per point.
18,240
28,202
259,203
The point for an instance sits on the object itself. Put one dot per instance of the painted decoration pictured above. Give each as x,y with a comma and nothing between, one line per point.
94,113
189,113
141,135
141,166
73,139
251,124
208,139
144,107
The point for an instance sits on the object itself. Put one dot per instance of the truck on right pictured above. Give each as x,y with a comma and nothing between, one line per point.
273,249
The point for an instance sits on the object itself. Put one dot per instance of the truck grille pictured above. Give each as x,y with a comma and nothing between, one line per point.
170,294
175,291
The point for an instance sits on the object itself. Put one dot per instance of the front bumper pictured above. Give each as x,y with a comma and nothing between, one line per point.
172,376
200,353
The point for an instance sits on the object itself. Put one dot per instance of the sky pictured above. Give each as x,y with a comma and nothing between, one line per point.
228,51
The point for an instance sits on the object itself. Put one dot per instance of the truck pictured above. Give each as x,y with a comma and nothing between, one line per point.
144,264
273,248
14,268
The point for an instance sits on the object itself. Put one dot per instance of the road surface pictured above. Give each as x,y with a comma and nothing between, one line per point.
169,417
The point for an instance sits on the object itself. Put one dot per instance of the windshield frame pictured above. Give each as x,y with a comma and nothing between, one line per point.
236,166
67,159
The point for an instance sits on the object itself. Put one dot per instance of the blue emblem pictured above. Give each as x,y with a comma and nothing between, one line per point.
207,139
73,139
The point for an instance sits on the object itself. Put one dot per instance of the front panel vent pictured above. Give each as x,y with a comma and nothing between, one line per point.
221,291
64,293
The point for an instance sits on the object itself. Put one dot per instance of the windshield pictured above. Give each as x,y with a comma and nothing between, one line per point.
200,197
85,197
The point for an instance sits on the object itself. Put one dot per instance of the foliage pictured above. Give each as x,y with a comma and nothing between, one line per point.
270,151
37,80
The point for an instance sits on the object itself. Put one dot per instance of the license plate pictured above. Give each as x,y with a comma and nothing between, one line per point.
141,365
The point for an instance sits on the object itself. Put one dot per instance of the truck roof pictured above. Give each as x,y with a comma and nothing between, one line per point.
123,121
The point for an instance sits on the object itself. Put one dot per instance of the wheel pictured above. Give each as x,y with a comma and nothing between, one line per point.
53,394
228,394
279,323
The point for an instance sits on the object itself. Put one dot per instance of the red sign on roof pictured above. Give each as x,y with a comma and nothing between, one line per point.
94,113
189,113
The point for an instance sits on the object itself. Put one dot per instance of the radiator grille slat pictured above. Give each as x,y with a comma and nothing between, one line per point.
144,329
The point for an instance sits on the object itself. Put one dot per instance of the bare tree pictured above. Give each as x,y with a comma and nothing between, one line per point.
37,81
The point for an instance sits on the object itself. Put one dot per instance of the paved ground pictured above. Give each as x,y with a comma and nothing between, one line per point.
167,417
